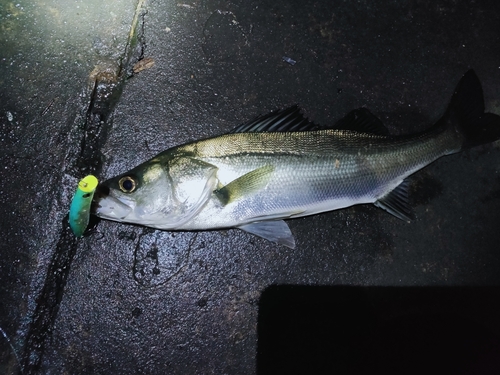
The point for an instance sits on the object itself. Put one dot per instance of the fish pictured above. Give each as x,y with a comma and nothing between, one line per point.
81,204
282,166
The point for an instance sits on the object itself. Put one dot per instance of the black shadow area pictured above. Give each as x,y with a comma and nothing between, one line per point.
379,330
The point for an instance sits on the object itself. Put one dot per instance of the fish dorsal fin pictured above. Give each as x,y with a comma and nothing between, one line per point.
291,120
273,230
285,120
363,121
396,202
245,185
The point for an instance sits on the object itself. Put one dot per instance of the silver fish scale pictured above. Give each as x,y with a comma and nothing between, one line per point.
314,171
280,165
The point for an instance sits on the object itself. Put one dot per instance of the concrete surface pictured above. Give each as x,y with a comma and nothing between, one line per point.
131,300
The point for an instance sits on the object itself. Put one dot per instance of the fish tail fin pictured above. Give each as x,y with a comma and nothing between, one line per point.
466,115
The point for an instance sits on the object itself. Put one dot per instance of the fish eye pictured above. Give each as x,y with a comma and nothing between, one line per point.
127,184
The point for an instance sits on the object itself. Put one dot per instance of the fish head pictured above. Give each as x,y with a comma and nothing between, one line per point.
142,196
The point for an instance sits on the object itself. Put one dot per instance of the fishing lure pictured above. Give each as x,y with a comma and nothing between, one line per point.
79,211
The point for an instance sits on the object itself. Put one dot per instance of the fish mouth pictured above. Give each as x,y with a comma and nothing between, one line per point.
107,206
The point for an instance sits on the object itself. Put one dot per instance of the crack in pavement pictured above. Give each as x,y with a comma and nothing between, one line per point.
155,262
106,87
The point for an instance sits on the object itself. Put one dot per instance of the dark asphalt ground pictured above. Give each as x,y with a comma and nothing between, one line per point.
361,291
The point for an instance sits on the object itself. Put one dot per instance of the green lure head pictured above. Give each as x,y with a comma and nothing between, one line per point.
79,212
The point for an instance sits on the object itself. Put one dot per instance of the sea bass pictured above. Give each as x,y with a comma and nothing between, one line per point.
281,166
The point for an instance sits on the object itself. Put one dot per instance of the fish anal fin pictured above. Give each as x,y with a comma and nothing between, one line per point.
274,230
396,202
245,185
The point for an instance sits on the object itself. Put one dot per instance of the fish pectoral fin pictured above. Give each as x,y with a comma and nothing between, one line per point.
273,230
396,202
245,185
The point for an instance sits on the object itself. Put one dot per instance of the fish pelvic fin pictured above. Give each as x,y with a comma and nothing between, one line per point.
396,202
466,114
274,230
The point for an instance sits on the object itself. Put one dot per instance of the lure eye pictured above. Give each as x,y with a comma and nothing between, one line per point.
127,184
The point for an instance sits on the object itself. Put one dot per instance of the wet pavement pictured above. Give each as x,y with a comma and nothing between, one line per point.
100,87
